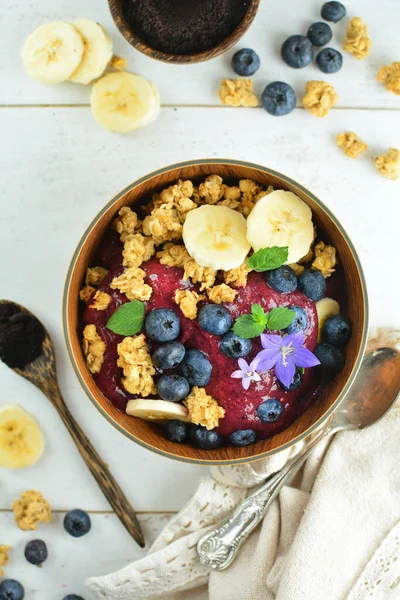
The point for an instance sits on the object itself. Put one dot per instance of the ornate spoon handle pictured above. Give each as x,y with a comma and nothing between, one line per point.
217,548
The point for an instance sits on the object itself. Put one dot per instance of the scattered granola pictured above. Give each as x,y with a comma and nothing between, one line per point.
30,509
163,224
203,409
198,274
320,97
3,558
390,76
93,348
238,276
325,259
173,255
389,164
126,222
351,144
357,41
94,276
137,249
131,283
221,293
187,301
86,293
180,196
238,92
252,192
101,300
212,189
135,360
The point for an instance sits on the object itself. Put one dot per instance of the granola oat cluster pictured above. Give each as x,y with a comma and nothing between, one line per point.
390,77
30,509
351,144
126,222
93,348
389,164
94,276
203,409
135,361
131,283
357,41
100,301
320,97
238,92
3,558
187,301
221,293
324,259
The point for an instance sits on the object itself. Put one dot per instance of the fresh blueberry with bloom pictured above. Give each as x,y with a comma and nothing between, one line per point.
270,410
247,372
10,589
234,346
243,437
204,438
245,62
336,330
173,388
77,522
176,431
333,11
36,552
297,51
300,320
319,34
196,368
169,355
329,60
284,354
278,98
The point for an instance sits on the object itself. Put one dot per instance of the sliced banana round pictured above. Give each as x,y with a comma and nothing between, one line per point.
53,52
21,440
327,307
215,236
281,219
123,102
98,51
157,410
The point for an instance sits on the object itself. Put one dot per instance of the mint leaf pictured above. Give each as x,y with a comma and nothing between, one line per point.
246,327
258,314
127,319
267,259
279,318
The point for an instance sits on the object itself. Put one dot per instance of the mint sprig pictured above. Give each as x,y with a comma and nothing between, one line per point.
254,324
267,259
127,319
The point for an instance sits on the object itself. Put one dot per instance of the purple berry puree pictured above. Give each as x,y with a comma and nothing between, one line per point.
240,405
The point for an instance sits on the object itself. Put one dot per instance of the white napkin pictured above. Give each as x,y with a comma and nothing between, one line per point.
334,534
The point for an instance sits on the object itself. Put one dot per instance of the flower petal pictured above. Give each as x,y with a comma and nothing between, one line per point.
295,339
267,359
254,364
243,364
285,374
256,377
269,340
246,382
304,358
237,374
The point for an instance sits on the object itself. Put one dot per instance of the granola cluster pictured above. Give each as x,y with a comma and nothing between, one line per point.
320,97
390,77
238,92
135,360
357,41
100,301
93,348
126,223
203,409
238,276
351,144
173,255
131,283
324,259
30,509
205,276
221,293
137,250
389,164
187,301
94,276
3,558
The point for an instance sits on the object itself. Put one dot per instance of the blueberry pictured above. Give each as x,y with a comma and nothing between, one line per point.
331,359
270,410
234,346
336,330
77,523
278,98
329,60
312,284
282,280
296,383
297,51
215,319
169,355
245,62
196,368
319,34
176,431
162,325
173,388
36,552
204,438
10,589
300,320
72,597
243,437
333,11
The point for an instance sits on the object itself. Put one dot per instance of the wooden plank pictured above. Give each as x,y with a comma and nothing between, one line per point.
197,84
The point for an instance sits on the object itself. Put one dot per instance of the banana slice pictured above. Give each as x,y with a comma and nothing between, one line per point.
123,102
98,51
281,219
327,307
53,52
157,410
21,440
215,236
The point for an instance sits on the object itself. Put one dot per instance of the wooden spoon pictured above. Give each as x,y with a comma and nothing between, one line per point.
42,373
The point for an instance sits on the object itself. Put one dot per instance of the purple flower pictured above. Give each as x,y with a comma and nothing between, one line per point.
247,373
284,354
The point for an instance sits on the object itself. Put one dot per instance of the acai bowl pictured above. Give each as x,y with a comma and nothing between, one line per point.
215,311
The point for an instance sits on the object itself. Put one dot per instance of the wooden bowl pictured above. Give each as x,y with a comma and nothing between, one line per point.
135,41
149,435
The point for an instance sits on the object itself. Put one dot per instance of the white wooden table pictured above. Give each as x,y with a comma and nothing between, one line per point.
58,168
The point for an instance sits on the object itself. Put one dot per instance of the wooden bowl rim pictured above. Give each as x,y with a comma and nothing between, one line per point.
365,304
137,42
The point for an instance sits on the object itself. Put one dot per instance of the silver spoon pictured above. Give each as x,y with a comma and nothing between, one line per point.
372,395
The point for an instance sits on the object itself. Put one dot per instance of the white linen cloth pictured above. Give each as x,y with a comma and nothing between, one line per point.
333,534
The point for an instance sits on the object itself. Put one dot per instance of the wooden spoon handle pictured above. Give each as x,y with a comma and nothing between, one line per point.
99,470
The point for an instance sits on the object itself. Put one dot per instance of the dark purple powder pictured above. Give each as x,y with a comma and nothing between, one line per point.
183,26
21,336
